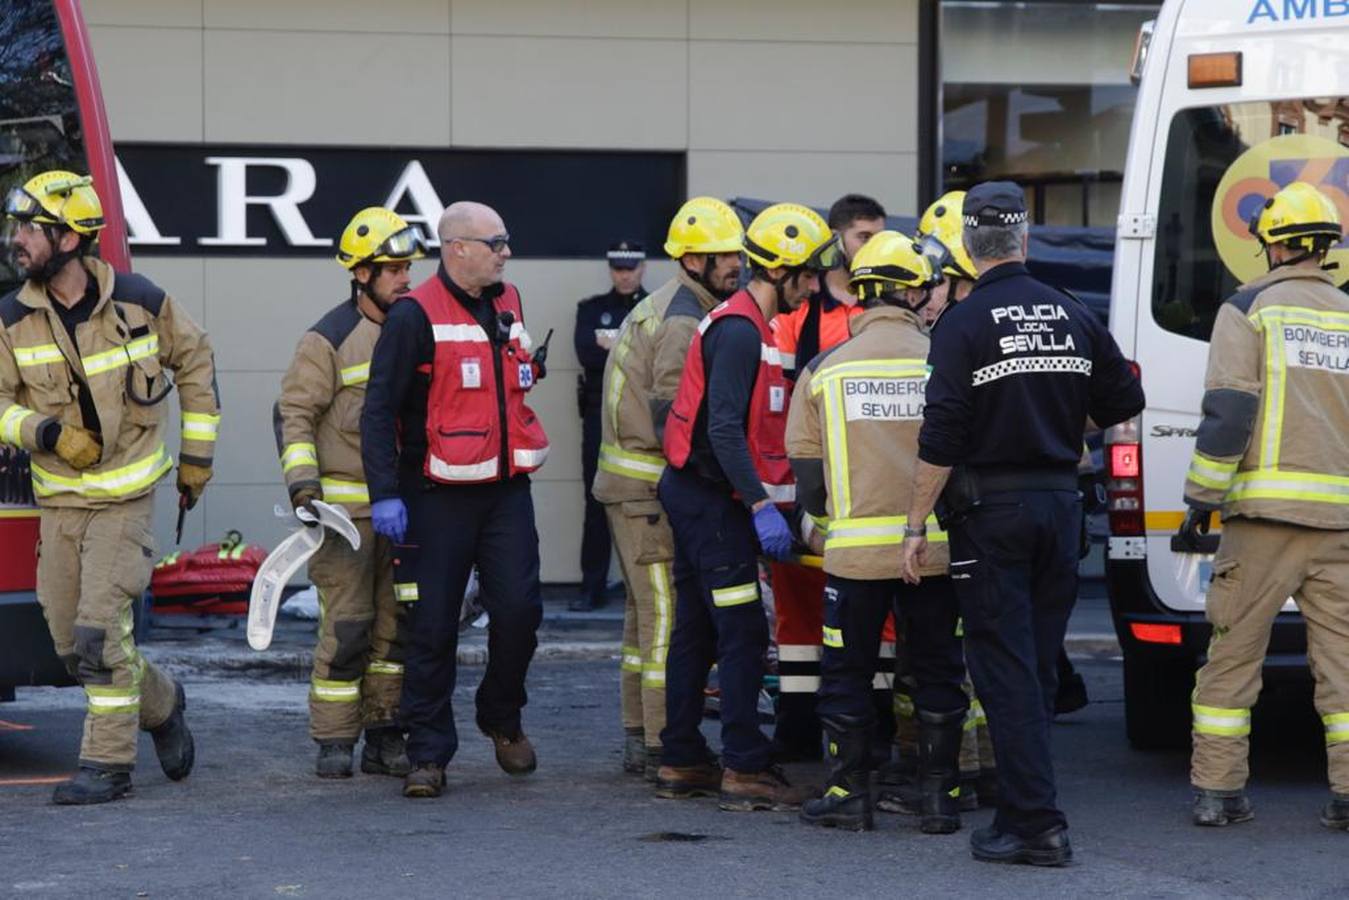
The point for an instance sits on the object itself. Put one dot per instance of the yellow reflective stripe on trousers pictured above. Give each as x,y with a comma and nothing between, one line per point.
299,455
736,594
120,482
1273,484
662,597
1210,473
11,424
653,675
1337,728
1222,722
200,426
642,466
874,531
335,491
405,592
383,667
104,699
833,637
335,691
632,659
37,355
116,358
356,374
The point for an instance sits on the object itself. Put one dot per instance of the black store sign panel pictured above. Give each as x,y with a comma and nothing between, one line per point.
203,200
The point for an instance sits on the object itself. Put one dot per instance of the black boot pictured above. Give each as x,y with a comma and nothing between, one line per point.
385,752
173,740
634,751
1335,816
1219,808
939,770
847,801
334,760
92,786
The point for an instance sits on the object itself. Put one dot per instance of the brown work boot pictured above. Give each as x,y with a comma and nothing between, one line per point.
515,754
425,780
686,782
769,789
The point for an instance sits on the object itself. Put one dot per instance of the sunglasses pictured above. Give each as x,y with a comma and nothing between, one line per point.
496,243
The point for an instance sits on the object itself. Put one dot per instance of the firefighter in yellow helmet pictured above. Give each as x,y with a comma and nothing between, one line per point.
1272,455
727,476
358,663
640,378
939,235
852,438
85,357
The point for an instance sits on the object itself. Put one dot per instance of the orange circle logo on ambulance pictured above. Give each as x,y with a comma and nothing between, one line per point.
1257,175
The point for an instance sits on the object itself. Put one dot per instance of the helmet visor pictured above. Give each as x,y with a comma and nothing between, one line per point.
403,244
828,255
19,204
936,252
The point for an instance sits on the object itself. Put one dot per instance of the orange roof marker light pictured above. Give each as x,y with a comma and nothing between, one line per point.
1210,70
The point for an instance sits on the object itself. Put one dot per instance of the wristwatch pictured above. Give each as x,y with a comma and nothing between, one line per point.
920,531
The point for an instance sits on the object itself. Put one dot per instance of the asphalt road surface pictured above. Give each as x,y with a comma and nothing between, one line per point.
253,821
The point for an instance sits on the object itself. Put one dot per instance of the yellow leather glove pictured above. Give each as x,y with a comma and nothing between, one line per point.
79,447
192,481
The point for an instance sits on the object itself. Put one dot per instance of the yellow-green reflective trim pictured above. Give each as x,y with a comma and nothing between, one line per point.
1211,473
200,426
642,466
108,700
904,706
833,637
735,595
116,358
1222,722
235,552
119,482
298,455
874,531
663,597
170,559
335,491
335,691
358,374
837,791
869,368
383,667
1274,484
632,659
1337,728
38,355
405,592
11,424
653,675
840,491
614,395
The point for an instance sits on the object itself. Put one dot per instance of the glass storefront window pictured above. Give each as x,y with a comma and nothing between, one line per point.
1039,93
1221,164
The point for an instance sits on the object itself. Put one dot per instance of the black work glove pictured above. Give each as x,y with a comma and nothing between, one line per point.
1195,525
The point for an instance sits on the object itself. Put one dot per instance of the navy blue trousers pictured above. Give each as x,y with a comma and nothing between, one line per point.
450,530
1014,566
719,618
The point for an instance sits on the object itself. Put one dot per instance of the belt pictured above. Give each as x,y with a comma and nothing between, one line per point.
995,480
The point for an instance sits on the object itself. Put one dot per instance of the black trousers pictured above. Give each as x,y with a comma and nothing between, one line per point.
1014,565
854,614
450,530
719,618
595,542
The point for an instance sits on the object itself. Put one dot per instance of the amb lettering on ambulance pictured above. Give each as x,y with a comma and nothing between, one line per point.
1296,10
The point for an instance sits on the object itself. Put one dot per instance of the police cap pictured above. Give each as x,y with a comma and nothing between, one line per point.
998,203
626,255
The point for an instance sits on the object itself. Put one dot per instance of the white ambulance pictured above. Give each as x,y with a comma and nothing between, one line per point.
1237,98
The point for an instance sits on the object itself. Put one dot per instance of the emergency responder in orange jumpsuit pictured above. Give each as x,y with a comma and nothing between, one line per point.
84,359
726,477
798,592
1272,454
358,662
852,438
642,371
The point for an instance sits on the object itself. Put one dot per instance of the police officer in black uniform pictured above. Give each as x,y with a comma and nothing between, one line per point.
598,319
1016,370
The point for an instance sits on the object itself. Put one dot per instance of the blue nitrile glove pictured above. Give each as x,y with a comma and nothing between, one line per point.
390,518
774,536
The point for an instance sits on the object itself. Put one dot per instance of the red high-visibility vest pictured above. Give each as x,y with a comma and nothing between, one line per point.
478,427
766,429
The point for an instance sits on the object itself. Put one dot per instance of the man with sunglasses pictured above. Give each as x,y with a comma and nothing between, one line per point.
727,476
358,668
84,356
448,443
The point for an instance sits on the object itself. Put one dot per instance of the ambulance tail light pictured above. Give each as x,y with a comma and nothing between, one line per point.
1124,477
1156,634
